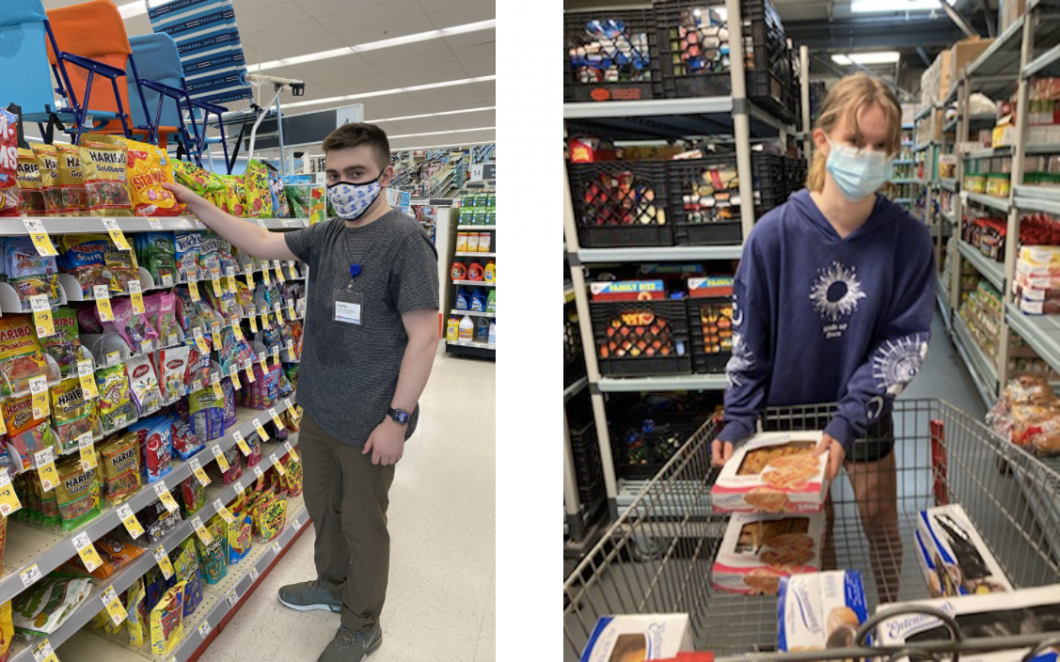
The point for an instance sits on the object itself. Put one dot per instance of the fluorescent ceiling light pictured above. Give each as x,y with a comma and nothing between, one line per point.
464,81
375,45
447,112
878,57
883,6
438,133
133,9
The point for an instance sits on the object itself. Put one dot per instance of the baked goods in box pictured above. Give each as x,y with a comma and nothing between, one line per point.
629,638
962,560
820,610
773,473
758,549
1027,611
927,566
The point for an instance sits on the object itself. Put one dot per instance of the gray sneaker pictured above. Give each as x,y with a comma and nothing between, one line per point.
308,596
352,645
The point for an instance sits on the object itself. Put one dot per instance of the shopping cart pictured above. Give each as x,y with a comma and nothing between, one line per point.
657,557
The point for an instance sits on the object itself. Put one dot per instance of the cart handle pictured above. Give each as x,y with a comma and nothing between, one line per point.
1053,642
880,616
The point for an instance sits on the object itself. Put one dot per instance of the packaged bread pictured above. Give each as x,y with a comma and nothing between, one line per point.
758,549
962,561
773,473
820,610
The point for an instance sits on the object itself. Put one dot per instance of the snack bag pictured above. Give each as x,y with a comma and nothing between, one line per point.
167,621
77,493
201,181
9,195
186,565
235,466
104,167
159,255
155,439
185,443
136,607
186,253
29,184
214,556
83,255
254,442
258,190
171,367
157,521
144,385
115,404
207,414
239,534
122,266
270,518
156,585
279,196
115,555
25,435
193,494
72,181
20,353
293,476
235,195
63,345
120,462
51,188
29,272
47,604
148,168
72,414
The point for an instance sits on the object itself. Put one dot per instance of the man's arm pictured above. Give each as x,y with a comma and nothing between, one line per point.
245,236
387,441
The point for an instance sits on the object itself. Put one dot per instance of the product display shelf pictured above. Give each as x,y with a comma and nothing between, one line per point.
993,271
984,375
1036,198
1005,150
944,307
476,227
476,255
992,201
948,215
454,311
922,147
481,283
651,254
14,227
575,388
27,545
668,383
949,184
1042,332
471,343
219,602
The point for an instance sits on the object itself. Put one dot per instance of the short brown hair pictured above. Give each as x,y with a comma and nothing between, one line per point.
355,135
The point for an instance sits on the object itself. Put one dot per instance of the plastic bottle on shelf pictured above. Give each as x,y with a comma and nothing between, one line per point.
452,329
491,272
463,301
478,301
482,329
474,271
491,301
493,332
467,328
459,270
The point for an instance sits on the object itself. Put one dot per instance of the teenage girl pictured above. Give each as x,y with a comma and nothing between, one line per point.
833,302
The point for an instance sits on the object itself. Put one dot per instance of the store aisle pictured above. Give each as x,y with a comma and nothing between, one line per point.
440,602
944,376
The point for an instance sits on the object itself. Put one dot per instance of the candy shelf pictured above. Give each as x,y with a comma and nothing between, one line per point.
13,227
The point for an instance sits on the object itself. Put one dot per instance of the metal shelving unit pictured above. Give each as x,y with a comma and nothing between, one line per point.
667,119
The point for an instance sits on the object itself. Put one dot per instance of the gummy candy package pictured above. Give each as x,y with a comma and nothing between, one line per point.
51,188
207,414
77,493
143,382
229,390
83,255
258,190
103,167
156,439
29,184
158,255
214,556
202,182
120,462
239,537
186,564
136,606
171,367
72,414
186,253
72,181
47,604
193,494
279,196
157,521
21,358
64,343
148,167
235,466
29,272
185,442
115,401
167,621
235,195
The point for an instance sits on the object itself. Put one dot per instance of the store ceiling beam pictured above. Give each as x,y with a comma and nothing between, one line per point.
958,19
864,33
923,56
988,16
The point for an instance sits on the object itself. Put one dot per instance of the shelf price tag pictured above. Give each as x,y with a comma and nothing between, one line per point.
276,355
261,223
42,315
264,366
136,296
9,502
164,564
279,271
204,630
241,442
264,318
277,464
3,427
233,374
216,336
251,317
237,331
289,345
276,309
254,574
38,386
193,289
88,451
215,382
196,385
291,315
239,488
39,236
43,652
128,518
290,450
287,403
261,430
276,548
248,271
45,463
265,275
102,294
222,461
165,497
248,369
30,575
87,551
258,471
201,531
275,417
112,358
116,234
200,342
154,224
232,598
215,278
200,473
225,514
114,607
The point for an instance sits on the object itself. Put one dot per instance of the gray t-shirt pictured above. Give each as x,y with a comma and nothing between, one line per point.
349,372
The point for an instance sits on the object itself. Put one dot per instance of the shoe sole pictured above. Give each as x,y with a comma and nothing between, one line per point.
321,606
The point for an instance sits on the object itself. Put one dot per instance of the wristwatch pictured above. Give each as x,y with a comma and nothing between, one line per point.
399,416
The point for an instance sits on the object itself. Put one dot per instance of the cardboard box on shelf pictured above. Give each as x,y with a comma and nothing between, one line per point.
962,560
773,472
710,287
965,52
638,637
935,81
820,610
1008,11
758,549
627,290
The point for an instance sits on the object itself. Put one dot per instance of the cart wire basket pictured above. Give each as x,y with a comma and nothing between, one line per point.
657,557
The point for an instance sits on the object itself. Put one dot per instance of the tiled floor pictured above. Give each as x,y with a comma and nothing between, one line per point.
440,602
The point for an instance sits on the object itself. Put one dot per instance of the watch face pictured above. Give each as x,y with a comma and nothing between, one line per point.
401,417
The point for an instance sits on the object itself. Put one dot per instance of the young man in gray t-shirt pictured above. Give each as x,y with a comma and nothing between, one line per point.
371,334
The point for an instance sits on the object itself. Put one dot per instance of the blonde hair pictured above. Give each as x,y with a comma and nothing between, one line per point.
847,98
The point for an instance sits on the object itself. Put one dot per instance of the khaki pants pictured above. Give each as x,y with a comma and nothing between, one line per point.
346,495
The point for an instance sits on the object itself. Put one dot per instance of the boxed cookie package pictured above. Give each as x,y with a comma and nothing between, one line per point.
638,637
962,562
820,610
758,549
773,473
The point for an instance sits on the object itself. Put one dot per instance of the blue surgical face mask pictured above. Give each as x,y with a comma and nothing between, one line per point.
352,200
858,173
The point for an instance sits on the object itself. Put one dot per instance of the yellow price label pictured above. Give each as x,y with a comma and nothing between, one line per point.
128,518
216,281
216,336
193,289
102,294
222,461
244,447
253,321
265,275
238,331
233,374
38,386
261,431
114,606
88,451
215,381
291,315
277,464
116,234
225,514
264,366
164,564
201,531
39,236
9,502
45,462
42,315
279,274
43,652
136,295
265,319
275,417
291,451
249,370
250,277
200,342
200,473
166,498
87,551
3,427
88,380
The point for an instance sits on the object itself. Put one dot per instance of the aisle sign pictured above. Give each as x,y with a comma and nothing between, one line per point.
222,461
9,502
30,575
39,236
102,294
38,386
166,498
193,289
241,442
88,380
116,234
136,296
43,652
114,607
225,514
128,518
164,564
261,430
277,464
87,551
201,531
42,315
200,474
233,374
88,451
45,463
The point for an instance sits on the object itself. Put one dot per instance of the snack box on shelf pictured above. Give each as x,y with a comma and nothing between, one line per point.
627,290
961,558
1029,610
638,637
820,610
710,287
759,549
773,472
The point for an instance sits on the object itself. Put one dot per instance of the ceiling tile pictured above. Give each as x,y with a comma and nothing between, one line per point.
321,8
364,35
482,11
345,73
477,51
270,17
472,38
330,64
270,52
471,120
395,10
432,6
414,49
416,62
244,6
480,66
414,126
364,83
138,25
302,33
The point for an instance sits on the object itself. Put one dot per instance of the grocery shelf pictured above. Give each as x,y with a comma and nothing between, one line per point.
476,227
1002,58
472,313
1043,62
936,230
949,184
904,162
921,148
984,375
575,388
13,227
568,294
1004,150
1043,148
991,270
474,282
925,111
657,253
668,383
1042,332
27,545
948,215
943,298
911,180
903,201
950,125
647,108
1037,198
666,118
1000,204
476,254
468,343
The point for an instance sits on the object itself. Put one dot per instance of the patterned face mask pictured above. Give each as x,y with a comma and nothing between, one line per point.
352,200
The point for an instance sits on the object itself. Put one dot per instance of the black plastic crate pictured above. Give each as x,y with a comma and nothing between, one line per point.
588,468
641,338
621,203
643,443
692,63
611,55
710,322
573,356
697,188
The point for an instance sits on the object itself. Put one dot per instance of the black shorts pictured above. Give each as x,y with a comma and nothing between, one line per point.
877,443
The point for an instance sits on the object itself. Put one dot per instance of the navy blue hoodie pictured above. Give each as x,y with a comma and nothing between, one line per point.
819,319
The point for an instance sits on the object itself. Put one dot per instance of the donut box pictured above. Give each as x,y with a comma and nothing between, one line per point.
773,473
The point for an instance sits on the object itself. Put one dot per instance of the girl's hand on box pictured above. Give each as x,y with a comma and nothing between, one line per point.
836,455
720,452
